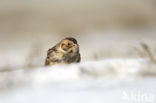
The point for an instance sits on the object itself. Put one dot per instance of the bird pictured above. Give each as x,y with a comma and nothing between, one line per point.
64,52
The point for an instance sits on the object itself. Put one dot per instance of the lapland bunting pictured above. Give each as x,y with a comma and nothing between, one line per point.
65,52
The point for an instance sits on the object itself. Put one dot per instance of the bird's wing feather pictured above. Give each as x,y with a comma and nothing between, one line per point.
51,50
79,58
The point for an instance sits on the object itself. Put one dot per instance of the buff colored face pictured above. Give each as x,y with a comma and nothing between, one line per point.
69,46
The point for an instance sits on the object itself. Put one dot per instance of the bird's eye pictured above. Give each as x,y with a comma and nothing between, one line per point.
68,44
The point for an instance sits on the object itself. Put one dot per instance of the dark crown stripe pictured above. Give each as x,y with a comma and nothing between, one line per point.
72,39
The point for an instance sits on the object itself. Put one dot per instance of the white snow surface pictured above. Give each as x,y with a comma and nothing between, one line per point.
104,81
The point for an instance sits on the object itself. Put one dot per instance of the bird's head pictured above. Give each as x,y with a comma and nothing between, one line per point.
69,45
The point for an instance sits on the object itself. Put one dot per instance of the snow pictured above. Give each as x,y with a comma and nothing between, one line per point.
96,93
109,80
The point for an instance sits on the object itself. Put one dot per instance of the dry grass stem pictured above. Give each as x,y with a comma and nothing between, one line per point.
148,52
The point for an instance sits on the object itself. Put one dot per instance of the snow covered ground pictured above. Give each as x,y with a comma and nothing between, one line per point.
109,80
140,91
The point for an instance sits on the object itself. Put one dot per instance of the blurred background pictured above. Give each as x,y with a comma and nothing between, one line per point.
103,28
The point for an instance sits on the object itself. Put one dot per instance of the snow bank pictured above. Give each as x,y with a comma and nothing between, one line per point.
104,70
124,80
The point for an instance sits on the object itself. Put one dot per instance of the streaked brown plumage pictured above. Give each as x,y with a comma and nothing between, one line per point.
65,52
